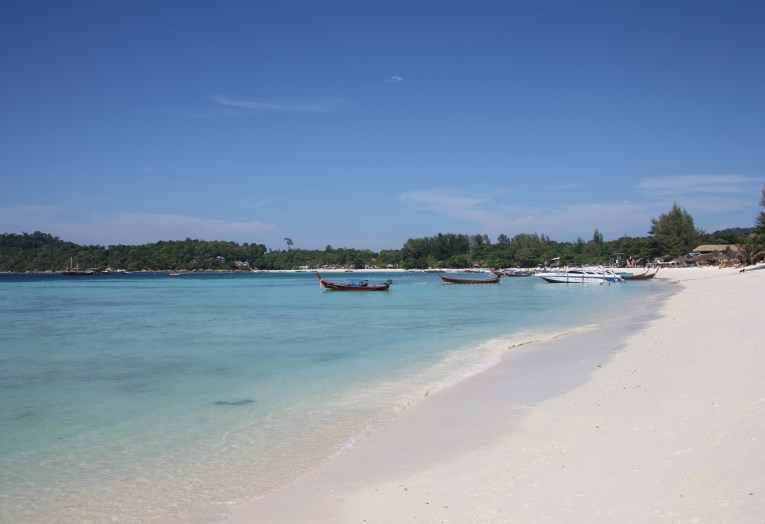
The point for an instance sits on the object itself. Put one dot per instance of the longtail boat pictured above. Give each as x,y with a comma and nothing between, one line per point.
354,285
514,273
453,280
644,276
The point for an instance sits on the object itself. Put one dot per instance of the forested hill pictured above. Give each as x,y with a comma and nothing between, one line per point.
39,252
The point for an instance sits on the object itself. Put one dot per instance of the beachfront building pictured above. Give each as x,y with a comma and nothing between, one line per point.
716,248
712,254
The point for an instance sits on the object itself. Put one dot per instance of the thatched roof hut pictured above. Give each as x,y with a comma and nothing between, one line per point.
716,248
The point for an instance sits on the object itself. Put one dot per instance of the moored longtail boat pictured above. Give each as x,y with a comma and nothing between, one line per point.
454,280
356,285
644,276
512,273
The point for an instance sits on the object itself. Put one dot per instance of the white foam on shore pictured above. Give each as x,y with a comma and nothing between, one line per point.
347,419
389,399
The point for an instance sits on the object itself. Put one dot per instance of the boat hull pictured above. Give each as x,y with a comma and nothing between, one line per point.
512,274
581,277
361,286
644,276
453,280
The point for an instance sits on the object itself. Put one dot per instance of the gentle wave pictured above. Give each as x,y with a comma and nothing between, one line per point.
161,399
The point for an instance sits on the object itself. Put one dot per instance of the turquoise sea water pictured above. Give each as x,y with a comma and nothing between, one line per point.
151,398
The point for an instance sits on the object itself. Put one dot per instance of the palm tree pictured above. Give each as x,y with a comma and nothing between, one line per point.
760,223
750,249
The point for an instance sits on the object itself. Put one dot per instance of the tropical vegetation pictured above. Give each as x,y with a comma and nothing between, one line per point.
672,235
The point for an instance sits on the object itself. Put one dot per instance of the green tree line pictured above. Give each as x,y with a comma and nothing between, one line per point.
671,235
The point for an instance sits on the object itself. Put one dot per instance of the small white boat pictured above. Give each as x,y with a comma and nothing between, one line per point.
581,276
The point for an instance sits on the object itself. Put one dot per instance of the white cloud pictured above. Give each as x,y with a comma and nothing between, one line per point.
394,80
26,218
502,212
565,187
263,202
29,210
444,200
128,228
692,184
476,209
150,227
321,105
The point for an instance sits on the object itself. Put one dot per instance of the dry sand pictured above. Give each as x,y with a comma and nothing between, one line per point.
659,421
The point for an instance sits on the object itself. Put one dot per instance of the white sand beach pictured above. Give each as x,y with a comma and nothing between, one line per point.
662,422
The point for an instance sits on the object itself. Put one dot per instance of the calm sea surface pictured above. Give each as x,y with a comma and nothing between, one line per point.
151,398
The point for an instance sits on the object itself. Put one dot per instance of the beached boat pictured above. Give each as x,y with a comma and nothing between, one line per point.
354,285
645,276
581,276
455,280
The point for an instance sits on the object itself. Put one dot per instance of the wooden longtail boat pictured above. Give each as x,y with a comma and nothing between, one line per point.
644,276
453,280
516,273
356,285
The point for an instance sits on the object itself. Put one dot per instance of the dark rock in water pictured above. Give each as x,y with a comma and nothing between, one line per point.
242,402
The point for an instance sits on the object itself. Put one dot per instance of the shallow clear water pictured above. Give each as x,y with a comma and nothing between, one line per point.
139,398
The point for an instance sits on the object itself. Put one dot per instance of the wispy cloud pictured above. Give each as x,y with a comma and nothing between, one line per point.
30,210
445,200
694,184
128,228
148,227
483,212
28,218
320,105
715,202
394,79
566,187
462,206
263,202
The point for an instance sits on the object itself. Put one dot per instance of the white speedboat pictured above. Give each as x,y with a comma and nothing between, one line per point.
581,276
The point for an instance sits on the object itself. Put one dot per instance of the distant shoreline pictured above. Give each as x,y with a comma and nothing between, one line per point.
343,271
232,271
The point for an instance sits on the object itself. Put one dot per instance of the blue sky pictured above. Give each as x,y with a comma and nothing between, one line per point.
362,124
